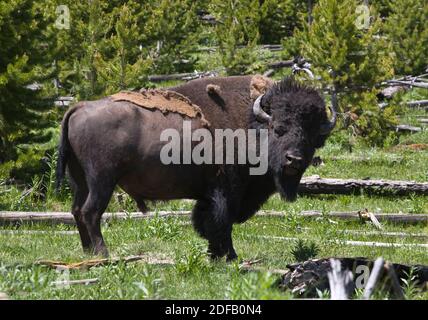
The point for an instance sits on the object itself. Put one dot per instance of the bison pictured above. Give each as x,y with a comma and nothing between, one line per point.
106,143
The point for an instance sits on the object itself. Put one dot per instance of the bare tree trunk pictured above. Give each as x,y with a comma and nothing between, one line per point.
310,7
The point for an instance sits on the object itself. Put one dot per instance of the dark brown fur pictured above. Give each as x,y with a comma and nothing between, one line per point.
106,143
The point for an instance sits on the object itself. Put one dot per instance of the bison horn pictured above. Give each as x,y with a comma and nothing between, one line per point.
327,127
259,112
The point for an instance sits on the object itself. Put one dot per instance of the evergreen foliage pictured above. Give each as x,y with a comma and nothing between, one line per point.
236,33
407,29
350,57
114,45
25,70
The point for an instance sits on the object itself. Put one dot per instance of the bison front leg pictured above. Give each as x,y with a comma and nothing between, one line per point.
211,220
223,246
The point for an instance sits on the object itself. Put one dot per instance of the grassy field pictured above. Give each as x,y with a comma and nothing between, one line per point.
188,273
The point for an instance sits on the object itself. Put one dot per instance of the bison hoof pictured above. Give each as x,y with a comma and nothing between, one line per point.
103,252
215,257
231,257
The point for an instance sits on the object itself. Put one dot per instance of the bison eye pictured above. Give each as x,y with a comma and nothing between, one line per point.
279,131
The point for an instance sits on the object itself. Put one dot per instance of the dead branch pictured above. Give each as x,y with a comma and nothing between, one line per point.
375,275
340,282
87,264
398,291
354,215
66,283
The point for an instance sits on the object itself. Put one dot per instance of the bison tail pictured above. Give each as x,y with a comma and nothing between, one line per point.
64,148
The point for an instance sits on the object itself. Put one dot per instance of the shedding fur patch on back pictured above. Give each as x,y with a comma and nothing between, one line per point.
162,100
260,85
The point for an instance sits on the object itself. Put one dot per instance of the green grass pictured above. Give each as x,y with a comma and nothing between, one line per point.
191,275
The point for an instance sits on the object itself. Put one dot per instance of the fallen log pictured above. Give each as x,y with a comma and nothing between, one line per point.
353,158
417,103
281,64
208,18
167,77
390,217
352,243
269,73
409,83
182,76
66,283
38,232
3,296
270,47
389,92
407,128
379,233
317,185
12,217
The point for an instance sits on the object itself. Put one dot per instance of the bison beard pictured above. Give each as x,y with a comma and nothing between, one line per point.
287,186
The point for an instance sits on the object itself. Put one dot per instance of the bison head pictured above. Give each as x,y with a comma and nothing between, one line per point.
298,124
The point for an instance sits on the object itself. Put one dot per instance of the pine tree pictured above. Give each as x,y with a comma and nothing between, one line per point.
350,57
25,74
127,67
79,47
279,18
384,7
407,29
113,45
171,28
236,33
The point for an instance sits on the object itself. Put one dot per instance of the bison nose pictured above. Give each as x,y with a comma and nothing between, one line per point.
293,161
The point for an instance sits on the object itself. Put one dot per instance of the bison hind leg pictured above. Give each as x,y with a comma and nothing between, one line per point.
80,194
100,191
